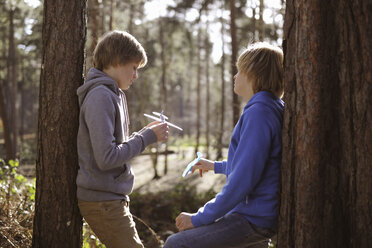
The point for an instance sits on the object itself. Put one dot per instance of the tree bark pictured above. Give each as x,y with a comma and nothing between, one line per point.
57,221
327,137
235,105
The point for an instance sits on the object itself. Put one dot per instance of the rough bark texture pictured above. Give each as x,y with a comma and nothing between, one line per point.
57,221
327,138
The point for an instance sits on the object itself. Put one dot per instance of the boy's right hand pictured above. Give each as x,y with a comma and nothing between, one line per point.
160,129
203,165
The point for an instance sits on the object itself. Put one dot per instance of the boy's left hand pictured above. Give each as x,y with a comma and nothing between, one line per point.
183,221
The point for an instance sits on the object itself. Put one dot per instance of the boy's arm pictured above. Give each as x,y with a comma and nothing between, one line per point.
99,113
248,165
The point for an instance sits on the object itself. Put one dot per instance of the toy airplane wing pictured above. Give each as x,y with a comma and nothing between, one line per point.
159,119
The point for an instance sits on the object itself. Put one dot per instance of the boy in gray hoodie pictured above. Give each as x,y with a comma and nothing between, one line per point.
105,178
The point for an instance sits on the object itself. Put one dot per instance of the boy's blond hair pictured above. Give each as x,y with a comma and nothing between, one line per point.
118,48
263,64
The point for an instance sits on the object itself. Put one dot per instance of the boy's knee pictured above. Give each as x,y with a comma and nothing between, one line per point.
171,241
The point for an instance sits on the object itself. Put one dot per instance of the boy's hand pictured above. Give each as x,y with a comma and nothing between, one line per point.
203,165
160,129
153,123
183,221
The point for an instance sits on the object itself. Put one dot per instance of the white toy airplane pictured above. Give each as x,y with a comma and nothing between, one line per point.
162,118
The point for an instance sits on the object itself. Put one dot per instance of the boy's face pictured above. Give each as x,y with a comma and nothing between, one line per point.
243,86
124,75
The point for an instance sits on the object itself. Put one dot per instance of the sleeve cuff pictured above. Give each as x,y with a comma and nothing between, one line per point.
148,136
195,220
219,167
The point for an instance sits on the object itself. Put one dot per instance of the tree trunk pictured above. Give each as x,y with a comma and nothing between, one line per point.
22,104
222,120
9,154
254,23
261,22
189,91
327,137
14,84
57,221
235,105
198,95
207,98
112,5
93,18
4,112
131,18
163,94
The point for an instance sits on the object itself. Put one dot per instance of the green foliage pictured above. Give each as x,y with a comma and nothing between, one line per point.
17,196
89,238
13,184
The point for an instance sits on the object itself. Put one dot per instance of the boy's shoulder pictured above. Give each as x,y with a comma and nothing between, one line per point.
100,93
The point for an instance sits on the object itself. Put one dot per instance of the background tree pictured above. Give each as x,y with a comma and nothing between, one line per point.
327,138
222,110
235,103
64,33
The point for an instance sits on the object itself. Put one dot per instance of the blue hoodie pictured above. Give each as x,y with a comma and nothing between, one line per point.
252,167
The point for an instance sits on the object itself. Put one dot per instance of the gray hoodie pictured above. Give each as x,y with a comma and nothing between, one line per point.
104,147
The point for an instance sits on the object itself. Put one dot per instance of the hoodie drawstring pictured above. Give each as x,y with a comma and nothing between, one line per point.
126,114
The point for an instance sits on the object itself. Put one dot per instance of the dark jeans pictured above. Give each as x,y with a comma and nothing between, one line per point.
233,230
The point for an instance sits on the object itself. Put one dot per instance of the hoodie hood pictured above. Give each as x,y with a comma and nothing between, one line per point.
268,99
94,79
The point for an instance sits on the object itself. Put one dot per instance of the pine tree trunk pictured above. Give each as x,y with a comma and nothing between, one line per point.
254,23
207,98
222,110
93,18
261,22
163,94
327,138
14,84
235,105
198,94
57,221
112,6
4,117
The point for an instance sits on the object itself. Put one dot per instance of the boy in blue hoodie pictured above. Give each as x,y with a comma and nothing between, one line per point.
105,178
244,213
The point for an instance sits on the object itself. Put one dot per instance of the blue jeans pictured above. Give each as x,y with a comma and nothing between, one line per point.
232,230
